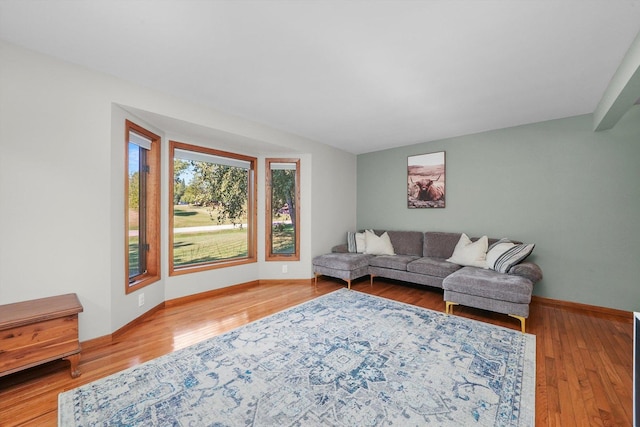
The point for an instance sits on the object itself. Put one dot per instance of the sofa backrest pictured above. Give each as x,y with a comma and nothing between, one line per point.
406,242
439,244
434,244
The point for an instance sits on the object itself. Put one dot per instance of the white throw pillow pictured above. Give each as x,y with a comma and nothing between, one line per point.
360,243
378,245
496,252
470,253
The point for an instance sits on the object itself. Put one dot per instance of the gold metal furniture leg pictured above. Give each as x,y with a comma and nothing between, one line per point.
348,284
522,321
448,307
371,279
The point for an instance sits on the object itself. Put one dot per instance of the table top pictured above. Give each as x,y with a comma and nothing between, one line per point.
38,310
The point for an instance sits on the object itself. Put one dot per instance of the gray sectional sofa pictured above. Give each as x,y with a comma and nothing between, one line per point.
421,258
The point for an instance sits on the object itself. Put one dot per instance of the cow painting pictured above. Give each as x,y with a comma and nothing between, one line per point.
426,181
427,191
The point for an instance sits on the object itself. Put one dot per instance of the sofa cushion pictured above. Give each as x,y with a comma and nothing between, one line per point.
513,256
395,262
470,253
377,245
439,244
496,250
351,242
529,270
342,261
489,284
432,267
407,242
355,242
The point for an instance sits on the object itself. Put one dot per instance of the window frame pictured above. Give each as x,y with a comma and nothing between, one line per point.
269,255
252,198
151,221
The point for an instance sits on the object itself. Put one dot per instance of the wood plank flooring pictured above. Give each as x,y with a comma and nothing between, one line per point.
584,359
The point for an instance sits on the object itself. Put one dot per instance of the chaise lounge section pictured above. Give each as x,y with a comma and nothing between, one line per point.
488,290
345,266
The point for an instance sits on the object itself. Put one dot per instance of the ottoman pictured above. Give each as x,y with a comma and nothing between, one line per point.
345,266
489,290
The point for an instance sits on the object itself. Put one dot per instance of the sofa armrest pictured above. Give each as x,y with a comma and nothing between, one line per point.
529,270
343,248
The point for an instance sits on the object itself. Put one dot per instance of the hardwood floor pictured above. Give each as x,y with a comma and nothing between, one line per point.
584,359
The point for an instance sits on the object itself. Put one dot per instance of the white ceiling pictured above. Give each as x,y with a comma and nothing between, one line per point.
361,75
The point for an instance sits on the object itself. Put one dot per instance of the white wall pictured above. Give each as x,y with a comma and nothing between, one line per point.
62,189
125,307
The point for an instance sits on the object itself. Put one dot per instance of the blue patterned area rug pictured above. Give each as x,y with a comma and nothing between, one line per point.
343,359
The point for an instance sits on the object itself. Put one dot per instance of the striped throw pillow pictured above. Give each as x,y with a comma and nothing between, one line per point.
351,241
513,256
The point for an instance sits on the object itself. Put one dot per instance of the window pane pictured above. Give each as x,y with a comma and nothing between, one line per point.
283,209
210,208
283,230
142,204
136,261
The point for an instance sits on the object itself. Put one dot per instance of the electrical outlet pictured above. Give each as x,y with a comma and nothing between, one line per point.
284,268
141,300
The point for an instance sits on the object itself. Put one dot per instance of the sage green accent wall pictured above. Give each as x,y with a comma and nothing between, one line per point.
573,192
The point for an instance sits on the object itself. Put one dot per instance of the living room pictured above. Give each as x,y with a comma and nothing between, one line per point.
554,182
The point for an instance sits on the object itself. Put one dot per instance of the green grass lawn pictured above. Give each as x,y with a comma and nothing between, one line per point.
183,216
283,240
134,256
195,248
195,216
192,216
210,246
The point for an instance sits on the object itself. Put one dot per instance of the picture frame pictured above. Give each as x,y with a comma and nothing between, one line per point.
426,180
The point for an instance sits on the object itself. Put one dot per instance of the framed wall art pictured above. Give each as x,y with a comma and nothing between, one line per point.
426,181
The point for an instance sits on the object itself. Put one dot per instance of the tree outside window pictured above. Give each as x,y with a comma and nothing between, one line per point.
282,209
212,210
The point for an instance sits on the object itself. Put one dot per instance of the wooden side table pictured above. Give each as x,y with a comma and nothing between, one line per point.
39,331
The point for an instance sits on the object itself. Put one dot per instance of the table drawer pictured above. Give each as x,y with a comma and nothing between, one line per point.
29,345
